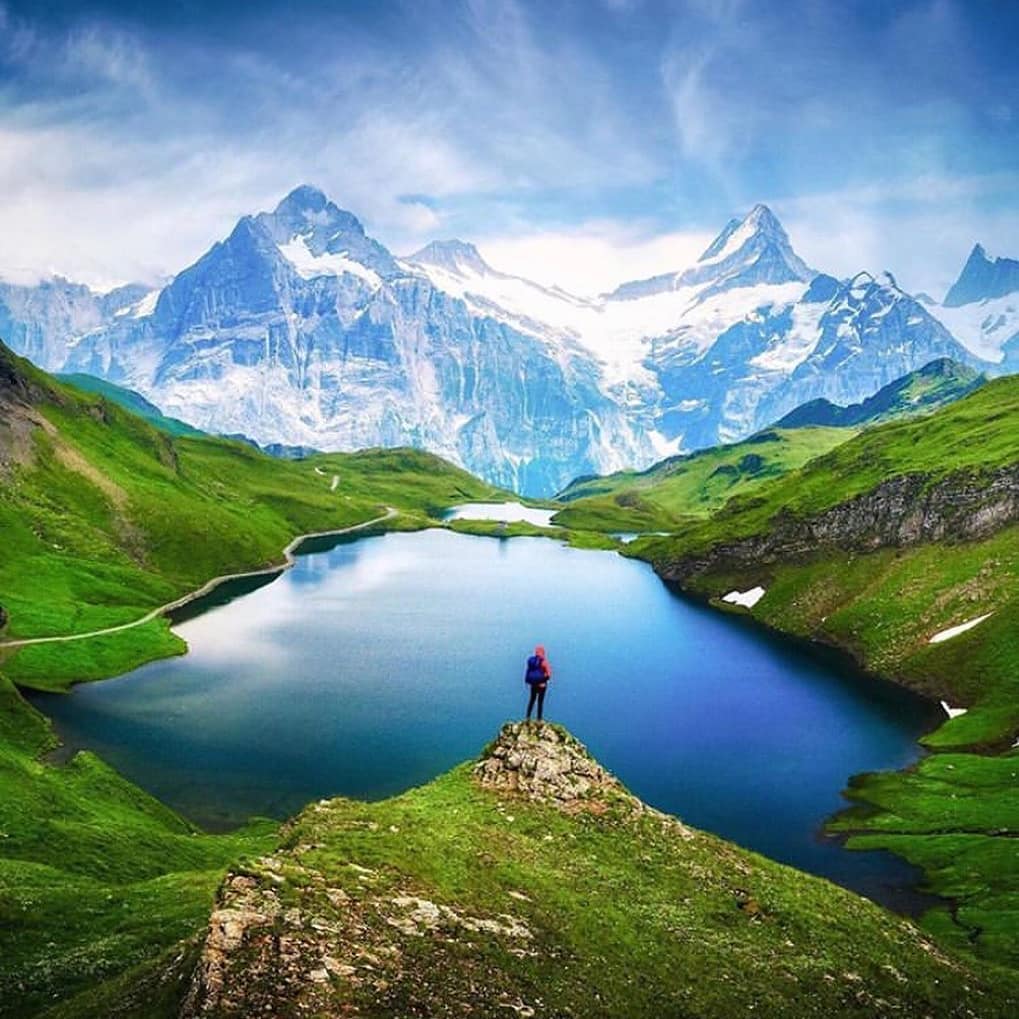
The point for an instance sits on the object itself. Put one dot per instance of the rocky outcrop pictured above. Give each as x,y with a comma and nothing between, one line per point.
903,511
308,931
544,763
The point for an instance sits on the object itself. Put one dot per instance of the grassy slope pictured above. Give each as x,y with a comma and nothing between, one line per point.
883,607
685,924
95,876
104,510
697,484
99,880
977,433
130,401
104,517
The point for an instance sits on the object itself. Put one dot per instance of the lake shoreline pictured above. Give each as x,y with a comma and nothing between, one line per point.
213,817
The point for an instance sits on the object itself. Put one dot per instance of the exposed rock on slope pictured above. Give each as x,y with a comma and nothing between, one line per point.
903,511
546,764
533,884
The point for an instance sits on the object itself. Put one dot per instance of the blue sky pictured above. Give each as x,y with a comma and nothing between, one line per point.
577,142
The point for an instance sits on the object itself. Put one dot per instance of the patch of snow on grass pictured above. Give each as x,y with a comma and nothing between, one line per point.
954,631
748,599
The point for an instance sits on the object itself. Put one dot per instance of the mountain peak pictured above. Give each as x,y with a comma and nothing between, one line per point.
764,219
749,251
304,196
308,215
982,278
760,223
307,211
454,256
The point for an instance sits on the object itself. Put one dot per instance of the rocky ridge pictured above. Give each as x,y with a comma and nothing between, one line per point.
285,929
531,883
903,511
544,763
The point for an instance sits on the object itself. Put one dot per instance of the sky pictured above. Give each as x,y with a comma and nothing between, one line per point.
580,143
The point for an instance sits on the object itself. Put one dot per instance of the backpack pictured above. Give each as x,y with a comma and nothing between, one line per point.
536,670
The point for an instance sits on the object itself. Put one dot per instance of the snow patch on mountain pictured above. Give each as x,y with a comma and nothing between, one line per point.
787,351
140,309
985,327
310,266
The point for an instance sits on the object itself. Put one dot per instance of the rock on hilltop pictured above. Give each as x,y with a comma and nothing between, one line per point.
545,763
532,883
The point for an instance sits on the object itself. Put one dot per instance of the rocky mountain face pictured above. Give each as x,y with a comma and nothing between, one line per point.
983,278
42,322
302,330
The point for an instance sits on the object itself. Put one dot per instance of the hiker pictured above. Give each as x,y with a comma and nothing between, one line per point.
537,676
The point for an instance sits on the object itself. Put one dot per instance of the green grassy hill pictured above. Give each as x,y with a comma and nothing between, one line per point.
530,886
129,400
105,516
968,439
935,385
102,510
903,532
697,484
534,884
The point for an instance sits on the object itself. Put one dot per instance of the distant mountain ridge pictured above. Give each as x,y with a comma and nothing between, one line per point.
932,386
982,308
300,329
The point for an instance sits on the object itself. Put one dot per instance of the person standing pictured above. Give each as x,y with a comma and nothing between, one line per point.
537,678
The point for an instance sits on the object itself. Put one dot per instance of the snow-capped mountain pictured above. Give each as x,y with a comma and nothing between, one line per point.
982,308
299,328
747,253
834,340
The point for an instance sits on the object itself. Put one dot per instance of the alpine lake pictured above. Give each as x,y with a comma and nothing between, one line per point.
378,662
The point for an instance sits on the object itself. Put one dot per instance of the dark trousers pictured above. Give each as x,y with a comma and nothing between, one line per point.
537,694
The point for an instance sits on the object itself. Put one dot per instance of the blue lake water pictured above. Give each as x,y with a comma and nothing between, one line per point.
377,663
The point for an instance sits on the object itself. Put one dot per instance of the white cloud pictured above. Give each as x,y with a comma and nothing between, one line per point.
592,258
115,163
920,229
